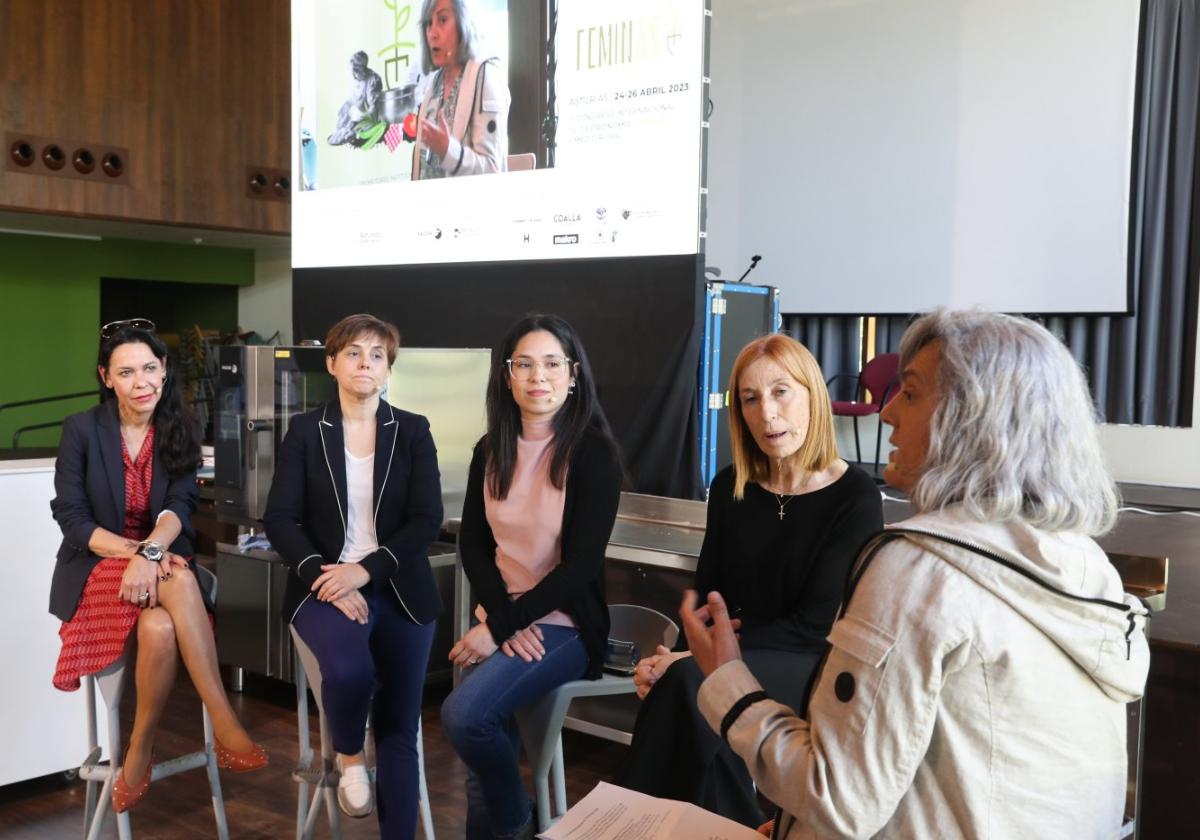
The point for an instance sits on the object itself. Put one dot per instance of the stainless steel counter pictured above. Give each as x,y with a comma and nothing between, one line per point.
657,531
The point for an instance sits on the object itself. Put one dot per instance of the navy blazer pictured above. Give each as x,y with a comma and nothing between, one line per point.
306,508
89,493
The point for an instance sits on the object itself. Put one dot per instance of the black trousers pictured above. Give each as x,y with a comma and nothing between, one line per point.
676,755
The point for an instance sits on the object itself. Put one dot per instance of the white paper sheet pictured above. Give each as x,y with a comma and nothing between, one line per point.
610,812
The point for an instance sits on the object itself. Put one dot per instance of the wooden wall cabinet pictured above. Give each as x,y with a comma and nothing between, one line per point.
197,92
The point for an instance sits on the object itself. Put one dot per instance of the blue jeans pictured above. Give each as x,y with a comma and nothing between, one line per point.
477,718
386,658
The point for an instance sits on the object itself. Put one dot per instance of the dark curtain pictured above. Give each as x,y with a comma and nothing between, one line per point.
1141,367
888,330
835,341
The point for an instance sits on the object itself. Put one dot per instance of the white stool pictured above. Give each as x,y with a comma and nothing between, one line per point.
324,776
100,778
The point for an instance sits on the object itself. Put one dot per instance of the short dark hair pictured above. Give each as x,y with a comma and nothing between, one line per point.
352,326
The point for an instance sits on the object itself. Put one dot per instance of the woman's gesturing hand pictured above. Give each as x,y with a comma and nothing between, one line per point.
712,646
354,606
526,644
650,669
436,135
474,647
338,579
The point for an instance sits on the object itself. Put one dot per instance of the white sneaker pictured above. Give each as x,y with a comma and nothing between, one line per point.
354,791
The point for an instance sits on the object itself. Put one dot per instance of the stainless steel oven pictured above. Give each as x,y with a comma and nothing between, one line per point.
259,390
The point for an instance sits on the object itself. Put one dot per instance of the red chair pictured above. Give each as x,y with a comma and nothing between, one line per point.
880,376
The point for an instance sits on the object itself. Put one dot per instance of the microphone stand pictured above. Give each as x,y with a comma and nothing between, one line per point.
753,263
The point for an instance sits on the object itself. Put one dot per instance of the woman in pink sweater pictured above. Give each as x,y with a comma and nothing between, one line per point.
541,499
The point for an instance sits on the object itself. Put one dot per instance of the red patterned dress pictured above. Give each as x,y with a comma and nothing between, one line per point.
95,636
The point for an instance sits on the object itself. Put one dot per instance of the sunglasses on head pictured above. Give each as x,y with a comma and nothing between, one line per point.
113,327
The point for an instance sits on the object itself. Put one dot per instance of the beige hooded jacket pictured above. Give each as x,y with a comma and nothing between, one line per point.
963,695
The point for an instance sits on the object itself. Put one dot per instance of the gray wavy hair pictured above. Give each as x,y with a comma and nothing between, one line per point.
468,34
1014,435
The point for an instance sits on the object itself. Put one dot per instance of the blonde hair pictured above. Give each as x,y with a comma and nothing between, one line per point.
819,449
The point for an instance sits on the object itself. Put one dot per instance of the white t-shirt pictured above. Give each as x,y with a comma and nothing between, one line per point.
360,513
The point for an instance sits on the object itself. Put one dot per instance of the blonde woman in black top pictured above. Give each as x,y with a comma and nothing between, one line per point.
785,521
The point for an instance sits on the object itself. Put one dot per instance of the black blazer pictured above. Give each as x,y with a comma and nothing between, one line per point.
576,585
89,492
306,508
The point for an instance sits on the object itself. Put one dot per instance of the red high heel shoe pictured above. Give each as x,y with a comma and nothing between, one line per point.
239,762
125,797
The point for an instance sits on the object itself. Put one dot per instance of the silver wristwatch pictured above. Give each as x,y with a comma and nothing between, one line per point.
152,551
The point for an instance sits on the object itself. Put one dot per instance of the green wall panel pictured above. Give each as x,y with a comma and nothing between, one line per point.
50,312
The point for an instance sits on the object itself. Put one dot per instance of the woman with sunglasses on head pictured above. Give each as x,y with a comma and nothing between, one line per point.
355,503
541,499
125,489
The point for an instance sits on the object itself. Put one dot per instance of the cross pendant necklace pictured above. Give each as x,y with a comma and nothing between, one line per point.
779,497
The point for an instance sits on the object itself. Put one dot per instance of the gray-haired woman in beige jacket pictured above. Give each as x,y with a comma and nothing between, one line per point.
976,680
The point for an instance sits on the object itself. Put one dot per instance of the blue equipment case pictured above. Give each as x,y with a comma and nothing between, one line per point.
735,313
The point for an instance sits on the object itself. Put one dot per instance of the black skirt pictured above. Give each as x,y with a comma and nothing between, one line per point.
676,755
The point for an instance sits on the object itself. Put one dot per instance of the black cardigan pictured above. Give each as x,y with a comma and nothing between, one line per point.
306,508
576,585
89,493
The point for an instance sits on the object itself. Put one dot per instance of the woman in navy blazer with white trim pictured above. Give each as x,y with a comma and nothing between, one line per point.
355,503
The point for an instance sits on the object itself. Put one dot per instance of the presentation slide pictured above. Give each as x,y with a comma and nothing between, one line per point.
409,148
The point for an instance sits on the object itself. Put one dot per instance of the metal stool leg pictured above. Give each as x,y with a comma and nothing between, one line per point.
558,776
214,780
116,761
93,753
328,786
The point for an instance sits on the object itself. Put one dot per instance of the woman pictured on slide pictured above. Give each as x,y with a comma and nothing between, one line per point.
785,522
541,500
125,489
462,123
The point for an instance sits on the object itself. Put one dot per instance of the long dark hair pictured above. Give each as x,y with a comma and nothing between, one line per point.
176,431
580,414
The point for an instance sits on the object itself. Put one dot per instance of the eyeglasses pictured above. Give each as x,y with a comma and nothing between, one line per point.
523,367
113,327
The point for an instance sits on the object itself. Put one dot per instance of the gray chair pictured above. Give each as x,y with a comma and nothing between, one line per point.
322,777
541,723
100,778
